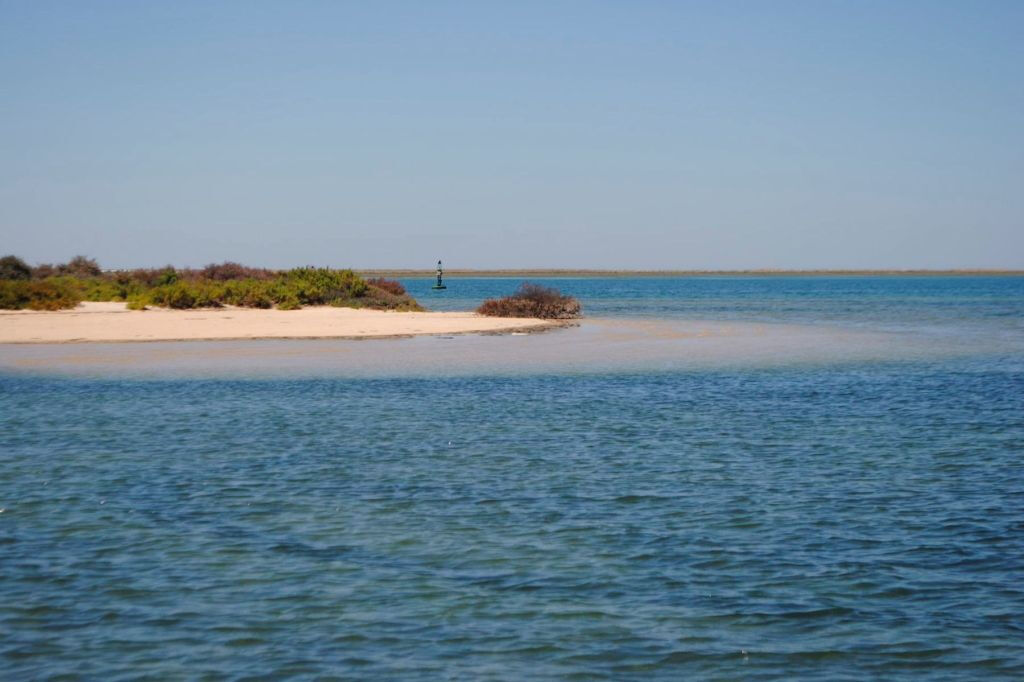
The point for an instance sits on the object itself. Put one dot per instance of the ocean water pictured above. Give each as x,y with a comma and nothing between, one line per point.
710,478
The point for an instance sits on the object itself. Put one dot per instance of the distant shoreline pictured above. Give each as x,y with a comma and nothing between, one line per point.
398,272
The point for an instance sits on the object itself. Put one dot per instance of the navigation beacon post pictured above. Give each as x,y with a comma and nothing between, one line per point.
440,284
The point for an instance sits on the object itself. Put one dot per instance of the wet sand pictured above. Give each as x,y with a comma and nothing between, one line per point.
592,346
113,322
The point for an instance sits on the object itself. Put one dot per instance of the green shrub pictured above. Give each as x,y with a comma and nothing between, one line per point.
207,295
48,295
124,287
102,288
183,295
175,295
255,298
167,276
13,295
249,293
320,286
98,288
215,285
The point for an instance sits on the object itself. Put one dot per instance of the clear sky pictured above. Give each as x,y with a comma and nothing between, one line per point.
625,134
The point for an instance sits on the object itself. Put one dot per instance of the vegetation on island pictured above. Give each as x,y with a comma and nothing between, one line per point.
533,300
55,287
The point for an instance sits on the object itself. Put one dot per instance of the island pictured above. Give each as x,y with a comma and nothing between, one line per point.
77,302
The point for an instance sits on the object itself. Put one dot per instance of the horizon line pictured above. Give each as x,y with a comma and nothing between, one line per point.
691,272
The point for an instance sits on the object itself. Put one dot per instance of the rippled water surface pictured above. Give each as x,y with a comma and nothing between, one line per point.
828,484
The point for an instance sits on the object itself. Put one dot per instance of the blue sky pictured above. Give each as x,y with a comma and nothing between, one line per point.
814,134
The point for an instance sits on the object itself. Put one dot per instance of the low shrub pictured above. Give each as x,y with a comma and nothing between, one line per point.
183,295
13,295
226,271
120,284
377,297
215,285
178,296
102,288
166,276
147,277
44,270
321,286
95,288
256,298
533,300
48,295
389,285
80,266
250,293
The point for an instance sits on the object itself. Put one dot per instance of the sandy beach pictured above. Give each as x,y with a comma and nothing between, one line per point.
113,322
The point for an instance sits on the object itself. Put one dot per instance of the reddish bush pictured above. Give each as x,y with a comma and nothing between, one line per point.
389,285
228,270
533,300
146,276
44,270
80,266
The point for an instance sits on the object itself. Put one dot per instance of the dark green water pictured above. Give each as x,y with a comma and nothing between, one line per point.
733,516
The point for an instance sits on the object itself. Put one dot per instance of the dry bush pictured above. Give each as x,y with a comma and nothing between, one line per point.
389,285
44,270
533,300
12,267
80,266
152,277
222,272
382,299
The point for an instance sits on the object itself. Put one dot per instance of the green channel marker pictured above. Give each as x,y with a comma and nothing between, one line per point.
440,284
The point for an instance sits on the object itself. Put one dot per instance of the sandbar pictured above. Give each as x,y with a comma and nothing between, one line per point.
113,322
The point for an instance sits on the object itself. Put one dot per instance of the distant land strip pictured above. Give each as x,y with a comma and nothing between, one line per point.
541,273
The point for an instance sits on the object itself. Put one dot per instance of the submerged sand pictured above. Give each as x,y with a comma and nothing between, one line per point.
113,322
592,346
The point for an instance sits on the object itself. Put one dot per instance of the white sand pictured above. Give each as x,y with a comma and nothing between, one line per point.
108,322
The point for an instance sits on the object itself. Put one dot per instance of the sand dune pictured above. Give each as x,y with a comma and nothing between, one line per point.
108,322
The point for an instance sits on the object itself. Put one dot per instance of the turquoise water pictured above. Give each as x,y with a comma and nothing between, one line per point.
721,478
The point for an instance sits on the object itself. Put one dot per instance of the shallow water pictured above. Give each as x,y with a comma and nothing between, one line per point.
601,346
681,494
